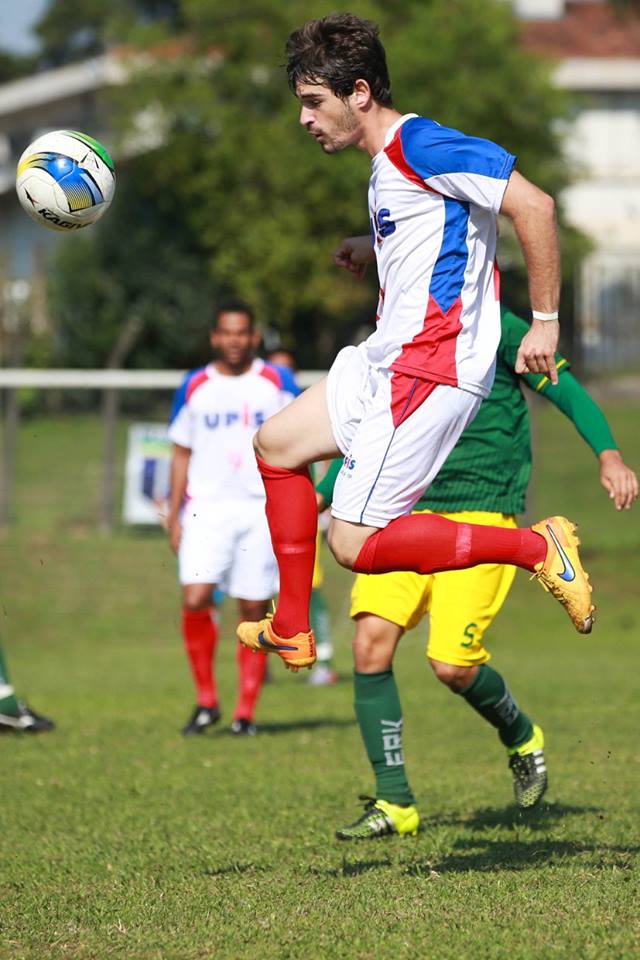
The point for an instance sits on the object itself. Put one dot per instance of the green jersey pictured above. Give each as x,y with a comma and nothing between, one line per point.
490,466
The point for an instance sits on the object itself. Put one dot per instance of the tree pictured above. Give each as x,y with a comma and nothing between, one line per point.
71,30
255,200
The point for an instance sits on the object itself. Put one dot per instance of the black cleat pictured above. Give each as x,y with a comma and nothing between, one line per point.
26,721
243,728
200,719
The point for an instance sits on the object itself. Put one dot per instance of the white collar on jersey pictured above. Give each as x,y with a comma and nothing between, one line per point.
391,132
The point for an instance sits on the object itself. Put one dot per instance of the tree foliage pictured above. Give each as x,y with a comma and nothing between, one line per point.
239,198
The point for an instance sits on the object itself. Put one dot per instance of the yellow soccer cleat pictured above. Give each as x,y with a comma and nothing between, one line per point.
381,819
562,573
296,652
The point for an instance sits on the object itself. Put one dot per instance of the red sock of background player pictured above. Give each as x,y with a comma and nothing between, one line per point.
251,670
427,543
292,514
200,633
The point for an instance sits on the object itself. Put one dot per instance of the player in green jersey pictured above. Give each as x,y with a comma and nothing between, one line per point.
484,480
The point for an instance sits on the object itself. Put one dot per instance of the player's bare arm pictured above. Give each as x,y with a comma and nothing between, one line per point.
353,254
619,480
532,213
179,471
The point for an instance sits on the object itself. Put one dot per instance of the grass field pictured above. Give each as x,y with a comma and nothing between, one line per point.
120,839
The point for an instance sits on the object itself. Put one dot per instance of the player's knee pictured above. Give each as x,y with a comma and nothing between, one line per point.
197,597
372,646
194,604
342,546
259,446
453,676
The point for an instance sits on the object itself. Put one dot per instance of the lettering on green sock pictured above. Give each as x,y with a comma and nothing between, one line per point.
392,742
507,709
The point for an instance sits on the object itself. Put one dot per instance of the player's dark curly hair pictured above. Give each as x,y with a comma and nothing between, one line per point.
338,50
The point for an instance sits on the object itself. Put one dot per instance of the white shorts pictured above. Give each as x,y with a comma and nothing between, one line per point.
395,430
227,543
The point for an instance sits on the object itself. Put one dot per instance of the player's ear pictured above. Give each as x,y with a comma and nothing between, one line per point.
213,337
361,96
256,339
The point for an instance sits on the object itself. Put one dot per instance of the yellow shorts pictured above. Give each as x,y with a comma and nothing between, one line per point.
461,603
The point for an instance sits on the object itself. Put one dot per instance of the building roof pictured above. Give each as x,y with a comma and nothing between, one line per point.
587,29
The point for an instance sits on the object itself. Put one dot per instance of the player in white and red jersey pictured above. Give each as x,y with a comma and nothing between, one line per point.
395,406
217,522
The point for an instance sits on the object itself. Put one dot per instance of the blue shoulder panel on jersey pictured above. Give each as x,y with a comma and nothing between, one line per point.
432,150
288,380
180,396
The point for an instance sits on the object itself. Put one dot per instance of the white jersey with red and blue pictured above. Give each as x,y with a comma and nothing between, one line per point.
434,195
216,417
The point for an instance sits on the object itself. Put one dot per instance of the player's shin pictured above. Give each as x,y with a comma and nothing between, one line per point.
251,672
200,633
489,696
379,713
292,516
8,700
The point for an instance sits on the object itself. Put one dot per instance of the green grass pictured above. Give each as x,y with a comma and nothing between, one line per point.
120,839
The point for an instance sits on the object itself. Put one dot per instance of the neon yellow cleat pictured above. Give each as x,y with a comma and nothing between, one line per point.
562,573
381,819
296,652
529,770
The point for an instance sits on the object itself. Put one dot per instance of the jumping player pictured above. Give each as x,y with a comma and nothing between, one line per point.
483,481
396,405
216,521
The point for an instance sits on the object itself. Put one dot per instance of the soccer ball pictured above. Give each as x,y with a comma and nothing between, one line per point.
65,180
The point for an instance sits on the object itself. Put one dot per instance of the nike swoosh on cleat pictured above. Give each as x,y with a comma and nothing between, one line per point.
273,646
568,574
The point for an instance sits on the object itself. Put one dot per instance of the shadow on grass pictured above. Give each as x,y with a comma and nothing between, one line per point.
539,818
513,855
289,726
349,869
234,869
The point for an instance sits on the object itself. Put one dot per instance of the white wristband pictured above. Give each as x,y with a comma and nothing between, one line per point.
537,315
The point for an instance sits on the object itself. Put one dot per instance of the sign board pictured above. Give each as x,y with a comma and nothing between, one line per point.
147,472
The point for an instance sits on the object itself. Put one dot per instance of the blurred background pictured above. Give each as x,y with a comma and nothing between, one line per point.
220,194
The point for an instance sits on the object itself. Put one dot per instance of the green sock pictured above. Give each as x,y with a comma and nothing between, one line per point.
489,696
8,700
320,624
379,714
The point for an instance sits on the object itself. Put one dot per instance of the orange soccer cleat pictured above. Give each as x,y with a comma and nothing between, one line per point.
562,573
296,652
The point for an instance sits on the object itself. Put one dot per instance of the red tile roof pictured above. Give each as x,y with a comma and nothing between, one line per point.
585,30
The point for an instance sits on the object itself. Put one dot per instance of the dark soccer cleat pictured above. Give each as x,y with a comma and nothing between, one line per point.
243,728
25,721
200,719
381,819
529,771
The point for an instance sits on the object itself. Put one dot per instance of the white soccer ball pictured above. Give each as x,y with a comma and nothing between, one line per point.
65,180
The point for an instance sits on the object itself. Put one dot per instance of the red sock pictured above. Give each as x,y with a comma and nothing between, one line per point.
200,633
292,514
427,543
251,670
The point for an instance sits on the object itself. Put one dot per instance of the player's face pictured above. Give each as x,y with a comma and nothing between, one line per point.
233,339
330,121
